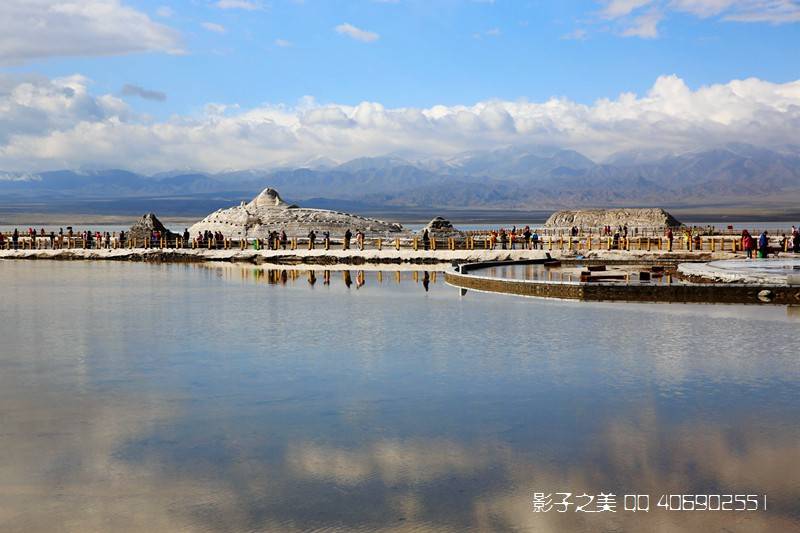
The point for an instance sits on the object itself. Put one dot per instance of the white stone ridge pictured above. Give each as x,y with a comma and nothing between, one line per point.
267,212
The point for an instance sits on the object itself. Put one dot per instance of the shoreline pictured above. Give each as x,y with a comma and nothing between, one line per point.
355,256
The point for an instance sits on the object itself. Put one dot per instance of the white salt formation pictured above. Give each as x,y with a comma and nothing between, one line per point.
267,212
598,218
441,227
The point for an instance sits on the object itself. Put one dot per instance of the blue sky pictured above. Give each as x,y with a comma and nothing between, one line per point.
427,53
251,54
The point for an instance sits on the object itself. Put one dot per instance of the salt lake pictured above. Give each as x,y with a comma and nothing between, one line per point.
172,397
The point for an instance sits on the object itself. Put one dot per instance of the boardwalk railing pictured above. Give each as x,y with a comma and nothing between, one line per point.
470,241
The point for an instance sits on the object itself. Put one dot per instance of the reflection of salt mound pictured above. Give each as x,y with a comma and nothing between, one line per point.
268,212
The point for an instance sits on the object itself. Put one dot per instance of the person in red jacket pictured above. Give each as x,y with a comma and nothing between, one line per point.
748,243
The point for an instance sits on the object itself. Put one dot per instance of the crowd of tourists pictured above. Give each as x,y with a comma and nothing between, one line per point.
61,239
760,246
527,239
506,239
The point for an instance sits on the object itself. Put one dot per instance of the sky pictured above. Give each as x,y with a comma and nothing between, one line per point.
154,85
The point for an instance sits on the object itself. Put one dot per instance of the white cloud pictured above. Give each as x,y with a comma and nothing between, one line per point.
702,8
283,43
356,33
644,26
621,8
213,26
238,4
771,11
640,18
58,123
39,29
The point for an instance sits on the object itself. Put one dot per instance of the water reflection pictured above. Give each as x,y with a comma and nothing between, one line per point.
573,273
289,276
182,398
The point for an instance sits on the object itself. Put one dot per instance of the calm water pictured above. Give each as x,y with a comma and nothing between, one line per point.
572,273
154,398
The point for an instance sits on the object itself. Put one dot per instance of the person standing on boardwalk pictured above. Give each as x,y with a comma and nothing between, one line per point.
347,236
15,238
312,237
526,234
503,238
795,239
284,239
426,239
326,238
763,244
747,244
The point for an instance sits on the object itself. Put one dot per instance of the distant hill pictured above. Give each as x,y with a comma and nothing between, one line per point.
528,177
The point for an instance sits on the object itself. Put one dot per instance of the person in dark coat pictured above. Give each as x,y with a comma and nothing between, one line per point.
15,238
426,239
347,236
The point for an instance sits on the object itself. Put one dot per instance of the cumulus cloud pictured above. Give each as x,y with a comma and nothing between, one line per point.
356,33
141,92
283,43
59,123
39,29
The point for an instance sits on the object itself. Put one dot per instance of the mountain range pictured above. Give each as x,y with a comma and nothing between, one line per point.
519,177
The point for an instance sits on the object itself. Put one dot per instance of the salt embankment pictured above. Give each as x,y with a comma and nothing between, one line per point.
776,271
387,255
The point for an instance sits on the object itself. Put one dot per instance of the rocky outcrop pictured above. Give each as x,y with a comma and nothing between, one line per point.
441,227
598,218
142,229
268,212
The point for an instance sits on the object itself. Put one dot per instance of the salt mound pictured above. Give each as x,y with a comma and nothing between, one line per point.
268,212
598,218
